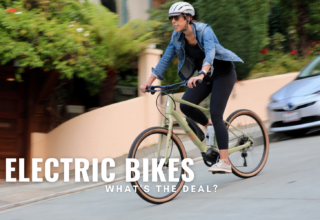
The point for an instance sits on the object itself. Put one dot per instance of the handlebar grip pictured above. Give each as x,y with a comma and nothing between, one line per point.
151,90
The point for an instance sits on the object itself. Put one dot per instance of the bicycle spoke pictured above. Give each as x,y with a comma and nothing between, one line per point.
249,159
148,150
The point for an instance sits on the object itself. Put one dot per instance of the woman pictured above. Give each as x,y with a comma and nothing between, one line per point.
198,48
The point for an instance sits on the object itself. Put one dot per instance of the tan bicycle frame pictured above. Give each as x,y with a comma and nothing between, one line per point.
167,121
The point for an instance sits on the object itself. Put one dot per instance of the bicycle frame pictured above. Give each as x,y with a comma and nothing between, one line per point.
170,112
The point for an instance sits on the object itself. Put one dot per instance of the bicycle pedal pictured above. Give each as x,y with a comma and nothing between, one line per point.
219,172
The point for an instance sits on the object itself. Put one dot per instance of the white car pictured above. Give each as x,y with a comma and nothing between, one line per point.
296,106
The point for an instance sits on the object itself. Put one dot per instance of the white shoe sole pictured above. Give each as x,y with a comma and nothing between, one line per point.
220,170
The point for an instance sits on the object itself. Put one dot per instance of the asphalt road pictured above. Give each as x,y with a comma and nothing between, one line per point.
287,188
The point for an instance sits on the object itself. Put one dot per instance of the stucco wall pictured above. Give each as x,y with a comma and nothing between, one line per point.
106,132
138,9
39,147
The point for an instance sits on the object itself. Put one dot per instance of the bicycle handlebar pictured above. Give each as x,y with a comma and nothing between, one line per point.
152,90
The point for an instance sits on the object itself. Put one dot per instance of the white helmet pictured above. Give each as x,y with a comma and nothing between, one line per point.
181,7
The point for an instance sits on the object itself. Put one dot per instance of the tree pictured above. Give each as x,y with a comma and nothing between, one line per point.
77,39
313,26
241,26
302,19
119,44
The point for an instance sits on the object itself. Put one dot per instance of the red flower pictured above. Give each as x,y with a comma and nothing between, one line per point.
293,52
264,51
309,51
11,10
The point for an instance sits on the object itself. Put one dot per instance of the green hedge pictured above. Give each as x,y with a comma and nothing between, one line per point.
241,26
78,39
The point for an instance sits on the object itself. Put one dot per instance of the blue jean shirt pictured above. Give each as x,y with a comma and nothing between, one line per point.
207,41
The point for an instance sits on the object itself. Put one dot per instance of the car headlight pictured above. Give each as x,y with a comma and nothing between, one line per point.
313,94
317,92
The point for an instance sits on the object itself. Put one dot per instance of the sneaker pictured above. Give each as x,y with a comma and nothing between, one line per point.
220,166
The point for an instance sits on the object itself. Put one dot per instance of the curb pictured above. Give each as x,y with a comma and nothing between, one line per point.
63,193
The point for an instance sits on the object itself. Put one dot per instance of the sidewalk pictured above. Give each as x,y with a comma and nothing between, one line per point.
17,194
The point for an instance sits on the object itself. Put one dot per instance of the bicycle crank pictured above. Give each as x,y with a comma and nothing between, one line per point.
210,157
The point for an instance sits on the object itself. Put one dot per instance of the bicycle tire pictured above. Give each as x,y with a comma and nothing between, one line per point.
133,152
264,139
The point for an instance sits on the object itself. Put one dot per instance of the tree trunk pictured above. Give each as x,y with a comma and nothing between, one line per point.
301,31
293,45
106,95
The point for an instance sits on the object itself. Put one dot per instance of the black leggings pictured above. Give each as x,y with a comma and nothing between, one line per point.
220,89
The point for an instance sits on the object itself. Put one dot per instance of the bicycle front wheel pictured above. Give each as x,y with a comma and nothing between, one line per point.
148,147
245,127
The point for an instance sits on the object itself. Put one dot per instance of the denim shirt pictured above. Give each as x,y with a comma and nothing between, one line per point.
206,40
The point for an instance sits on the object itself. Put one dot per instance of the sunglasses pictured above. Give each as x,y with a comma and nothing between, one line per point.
175,17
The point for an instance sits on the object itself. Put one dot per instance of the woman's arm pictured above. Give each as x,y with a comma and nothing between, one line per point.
209,48
161,67
164,61
144,86
206,68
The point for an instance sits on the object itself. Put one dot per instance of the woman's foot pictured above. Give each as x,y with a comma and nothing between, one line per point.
220,166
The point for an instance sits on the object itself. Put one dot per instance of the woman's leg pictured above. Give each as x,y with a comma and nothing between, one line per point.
221,90
196,95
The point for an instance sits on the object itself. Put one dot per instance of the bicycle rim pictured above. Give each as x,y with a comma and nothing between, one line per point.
145,150
249,161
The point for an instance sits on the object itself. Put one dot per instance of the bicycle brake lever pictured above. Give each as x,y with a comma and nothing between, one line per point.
197,82
185,84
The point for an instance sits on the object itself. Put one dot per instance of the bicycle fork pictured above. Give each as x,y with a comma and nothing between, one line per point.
170,125
166,121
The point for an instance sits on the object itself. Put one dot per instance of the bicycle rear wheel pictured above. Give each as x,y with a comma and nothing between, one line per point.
145,149
249,161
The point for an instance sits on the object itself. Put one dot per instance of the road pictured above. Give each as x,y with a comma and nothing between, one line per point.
287,188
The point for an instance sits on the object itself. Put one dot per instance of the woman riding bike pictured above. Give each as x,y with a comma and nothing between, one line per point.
198,48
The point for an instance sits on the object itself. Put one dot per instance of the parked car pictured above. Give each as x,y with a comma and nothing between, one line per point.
296,106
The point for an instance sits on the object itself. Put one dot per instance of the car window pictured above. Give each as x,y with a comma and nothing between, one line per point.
311,69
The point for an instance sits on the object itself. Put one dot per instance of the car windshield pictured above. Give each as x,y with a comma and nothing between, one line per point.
311,69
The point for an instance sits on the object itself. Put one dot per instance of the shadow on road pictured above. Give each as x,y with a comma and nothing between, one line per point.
277,137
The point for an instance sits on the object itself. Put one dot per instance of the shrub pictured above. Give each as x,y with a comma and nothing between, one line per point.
241,26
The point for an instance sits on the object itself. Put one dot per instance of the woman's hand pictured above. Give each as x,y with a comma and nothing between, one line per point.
193,80
143,87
